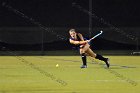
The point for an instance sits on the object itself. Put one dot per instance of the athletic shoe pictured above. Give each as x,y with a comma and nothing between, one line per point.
84,66
107,62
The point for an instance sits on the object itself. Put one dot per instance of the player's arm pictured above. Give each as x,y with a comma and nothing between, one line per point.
81,36
77,42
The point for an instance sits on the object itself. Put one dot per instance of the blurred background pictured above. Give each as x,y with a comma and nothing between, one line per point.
40,27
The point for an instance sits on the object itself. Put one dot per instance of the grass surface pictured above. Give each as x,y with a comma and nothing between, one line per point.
38,74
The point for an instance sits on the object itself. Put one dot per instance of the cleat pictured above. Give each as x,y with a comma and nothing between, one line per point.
84,66
107,62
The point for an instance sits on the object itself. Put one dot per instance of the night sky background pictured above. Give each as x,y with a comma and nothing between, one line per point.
61,13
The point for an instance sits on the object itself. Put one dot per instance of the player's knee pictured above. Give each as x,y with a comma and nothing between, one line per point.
82,51
93,55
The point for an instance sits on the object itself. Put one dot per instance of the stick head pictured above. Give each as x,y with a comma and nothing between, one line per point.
101,31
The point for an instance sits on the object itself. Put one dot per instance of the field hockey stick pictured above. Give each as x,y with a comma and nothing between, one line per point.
96,35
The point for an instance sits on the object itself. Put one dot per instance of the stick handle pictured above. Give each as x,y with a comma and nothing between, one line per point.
96,35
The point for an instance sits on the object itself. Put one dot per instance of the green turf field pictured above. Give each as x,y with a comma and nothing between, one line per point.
38,74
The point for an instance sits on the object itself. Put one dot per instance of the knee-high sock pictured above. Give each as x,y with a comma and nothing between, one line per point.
84,59
100,57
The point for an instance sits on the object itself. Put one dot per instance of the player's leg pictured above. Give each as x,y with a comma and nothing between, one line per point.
97,56
84,48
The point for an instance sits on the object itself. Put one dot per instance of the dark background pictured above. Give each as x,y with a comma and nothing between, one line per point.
59,13
19,33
